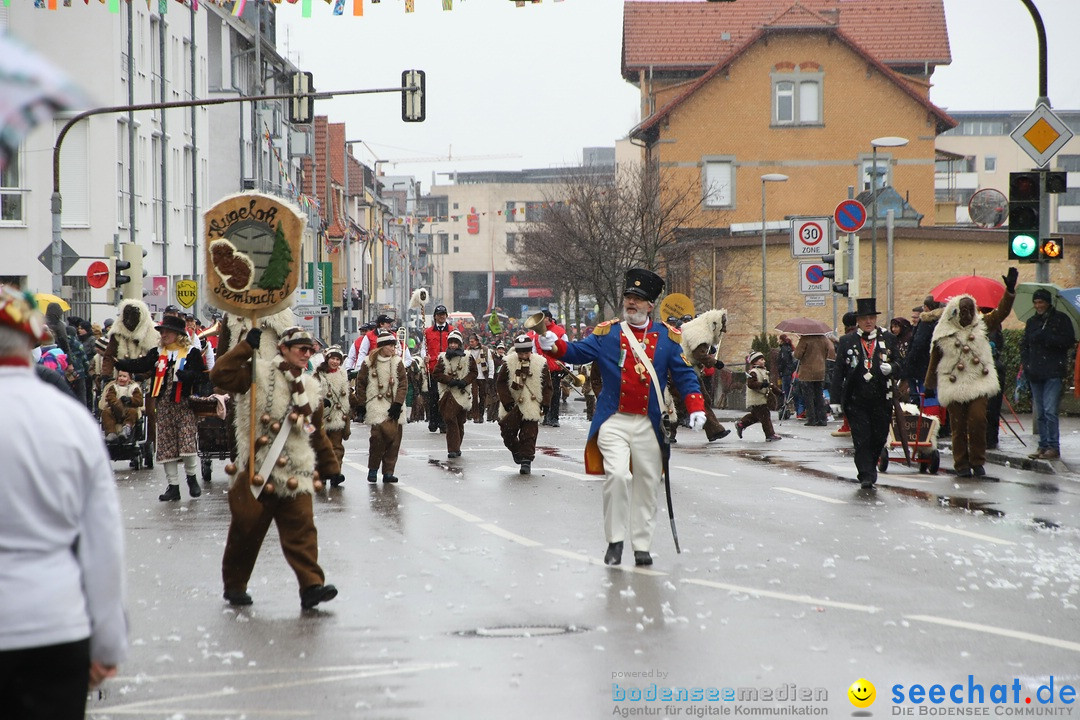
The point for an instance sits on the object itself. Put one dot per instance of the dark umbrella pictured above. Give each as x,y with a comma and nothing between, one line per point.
987,292
803,326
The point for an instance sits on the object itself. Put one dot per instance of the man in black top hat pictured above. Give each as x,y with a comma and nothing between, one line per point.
866,360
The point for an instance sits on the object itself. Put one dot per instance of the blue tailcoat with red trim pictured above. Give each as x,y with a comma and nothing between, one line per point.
606,350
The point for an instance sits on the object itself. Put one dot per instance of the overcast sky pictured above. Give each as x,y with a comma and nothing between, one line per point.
534,85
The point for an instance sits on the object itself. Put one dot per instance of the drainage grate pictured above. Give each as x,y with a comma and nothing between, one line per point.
521,631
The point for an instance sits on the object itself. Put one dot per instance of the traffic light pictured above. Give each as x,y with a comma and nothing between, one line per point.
1024,216
413,96
1052,248
301,107
133,263
837,265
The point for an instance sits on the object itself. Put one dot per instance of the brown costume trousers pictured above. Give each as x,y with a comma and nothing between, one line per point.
384,446
110,423
454,417
968,422
758,414
480,401
251,519
519,435
337,441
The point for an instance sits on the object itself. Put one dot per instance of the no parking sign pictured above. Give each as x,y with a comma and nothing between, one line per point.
812,278
810,236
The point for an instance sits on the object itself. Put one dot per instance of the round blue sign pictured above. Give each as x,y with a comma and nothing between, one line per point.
815,274
850,215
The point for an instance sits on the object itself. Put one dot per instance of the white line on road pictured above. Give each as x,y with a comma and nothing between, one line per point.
142,706
703,472
793,491
597,561
805,599
557,471
419,493
965,533
458,512
1004,632
496,530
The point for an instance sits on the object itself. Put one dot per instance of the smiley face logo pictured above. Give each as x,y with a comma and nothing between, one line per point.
862,693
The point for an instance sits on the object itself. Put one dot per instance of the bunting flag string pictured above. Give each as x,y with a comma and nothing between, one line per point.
307,203
237,7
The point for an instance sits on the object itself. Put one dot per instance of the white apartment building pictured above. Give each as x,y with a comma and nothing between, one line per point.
144,177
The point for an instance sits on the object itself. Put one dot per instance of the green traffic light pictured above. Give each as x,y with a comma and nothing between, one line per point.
1024,246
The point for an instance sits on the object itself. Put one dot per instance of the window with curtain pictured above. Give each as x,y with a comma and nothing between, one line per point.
11,197
797,98
718,183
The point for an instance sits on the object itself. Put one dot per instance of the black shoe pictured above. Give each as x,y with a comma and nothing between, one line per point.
433,428
866,484
336,480
453,455
554,424
965,473
237,598
372,476
193,486
642,557
613,556
978,471
739,429
171,493
526,467
724,432
312,596
389,478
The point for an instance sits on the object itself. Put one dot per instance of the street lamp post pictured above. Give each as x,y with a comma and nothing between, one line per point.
766,178
348,246
888,141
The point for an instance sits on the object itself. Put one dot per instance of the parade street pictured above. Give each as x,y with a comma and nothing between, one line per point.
468,590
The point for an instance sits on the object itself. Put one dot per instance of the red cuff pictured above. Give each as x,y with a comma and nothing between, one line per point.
558,351
695,403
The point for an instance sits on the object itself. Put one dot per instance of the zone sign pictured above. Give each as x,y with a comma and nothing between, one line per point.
810,236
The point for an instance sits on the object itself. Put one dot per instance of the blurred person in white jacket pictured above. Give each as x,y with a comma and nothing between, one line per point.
62,623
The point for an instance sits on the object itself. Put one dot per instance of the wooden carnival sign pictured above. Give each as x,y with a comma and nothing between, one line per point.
252,269
252,254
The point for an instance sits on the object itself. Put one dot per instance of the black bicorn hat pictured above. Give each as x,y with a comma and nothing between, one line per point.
643,283
865,307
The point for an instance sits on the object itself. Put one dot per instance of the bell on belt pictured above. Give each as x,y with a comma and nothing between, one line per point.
230,469
292,483
960,366
294,416
281,461
276,427
952,378
270,488
318,485
262,440
257,480
266,419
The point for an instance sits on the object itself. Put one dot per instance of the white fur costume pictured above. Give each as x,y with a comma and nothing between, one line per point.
966,370
528,396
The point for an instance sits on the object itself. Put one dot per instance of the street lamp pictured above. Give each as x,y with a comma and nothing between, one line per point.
766,178
887,141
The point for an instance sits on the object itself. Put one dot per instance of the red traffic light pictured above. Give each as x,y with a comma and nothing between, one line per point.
1024,187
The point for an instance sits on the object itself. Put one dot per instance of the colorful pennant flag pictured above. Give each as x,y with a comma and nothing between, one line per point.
357,8
238,7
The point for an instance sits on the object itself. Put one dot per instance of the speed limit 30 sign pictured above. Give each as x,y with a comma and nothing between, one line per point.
810,236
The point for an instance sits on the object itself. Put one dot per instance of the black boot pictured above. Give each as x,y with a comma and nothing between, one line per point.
614,554
373,475
171,493
193,486
526,467
389,478
336,480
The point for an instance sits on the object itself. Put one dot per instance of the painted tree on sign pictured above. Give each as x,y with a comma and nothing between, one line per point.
277,269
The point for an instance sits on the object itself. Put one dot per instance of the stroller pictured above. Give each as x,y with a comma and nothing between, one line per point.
214,437
137,448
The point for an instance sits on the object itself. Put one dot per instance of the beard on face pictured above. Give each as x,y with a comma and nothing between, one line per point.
635,317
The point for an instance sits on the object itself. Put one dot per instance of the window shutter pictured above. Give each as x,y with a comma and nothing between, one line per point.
75,176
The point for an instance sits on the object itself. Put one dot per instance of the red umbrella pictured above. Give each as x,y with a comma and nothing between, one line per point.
987,292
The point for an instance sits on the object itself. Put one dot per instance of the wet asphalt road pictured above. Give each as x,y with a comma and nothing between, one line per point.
470,591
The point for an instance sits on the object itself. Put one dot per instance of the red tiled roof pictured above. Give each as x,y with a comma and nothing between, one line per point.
944,120
697,35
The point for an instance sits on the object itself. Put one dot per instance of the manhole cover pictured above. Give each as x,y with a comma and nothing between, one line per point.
521,631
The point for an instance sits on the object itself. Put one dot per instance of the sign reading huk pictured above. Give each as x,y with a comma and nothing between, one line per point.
186,292
252,254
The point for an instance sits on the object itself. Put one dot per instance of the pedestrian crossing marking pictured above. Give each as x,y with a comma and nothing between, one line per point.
419,493
1004,632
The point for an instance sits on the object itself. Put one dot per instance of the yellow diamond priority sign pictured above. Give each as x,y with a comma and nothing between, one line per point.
1042,134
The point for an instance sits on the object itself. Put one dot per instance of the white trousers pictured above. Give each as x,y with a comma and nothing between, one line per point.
627,441
191,466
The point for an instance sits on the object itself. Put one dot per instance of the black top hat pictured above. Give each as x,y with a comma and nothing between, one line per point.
173,323
865,307
643,283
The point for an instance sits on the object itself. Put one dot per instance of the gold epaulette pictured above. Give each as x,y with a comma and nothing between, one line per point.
603,328
674,333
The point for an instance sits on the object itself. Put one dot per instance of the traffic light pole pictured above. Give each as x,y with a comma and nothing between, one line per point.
1042,267
55,201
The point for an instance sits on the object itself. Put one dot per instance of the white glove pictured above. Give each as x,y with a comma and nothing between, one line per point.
697,420
547,340
886,369
836,410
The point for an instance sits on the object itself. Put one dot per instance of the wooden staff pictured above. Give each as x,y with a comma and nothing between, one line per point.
251,416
